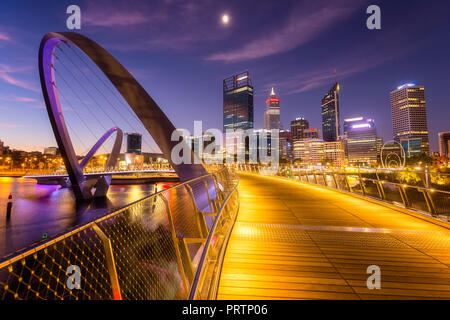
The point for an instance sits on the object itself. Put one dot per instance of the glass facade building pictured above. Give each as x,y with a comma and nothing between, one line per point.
362,142
297,127
409,114
134,143
412,147
238,102
330,114
444,144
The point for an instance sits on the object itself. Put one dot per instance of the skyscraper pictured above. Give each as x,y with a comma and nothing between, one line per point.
334,153
409,117
351,121
444,144
238,102
330,114
134,143
272,113
362,142
285,145
297,127
308,152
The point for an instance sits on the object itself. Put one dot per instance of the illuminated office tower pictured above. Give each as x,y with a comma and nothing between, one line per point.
308,152
334,153
297,127
444,144
351,121
272,113
285,145
330,114
409,118
362,142
238,102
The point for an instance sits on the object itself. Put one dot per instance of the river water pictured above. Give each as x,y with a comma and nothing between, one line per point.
42,211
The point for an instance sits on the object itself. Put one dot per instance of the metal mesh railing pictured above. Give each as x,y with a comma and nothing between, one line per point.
150,249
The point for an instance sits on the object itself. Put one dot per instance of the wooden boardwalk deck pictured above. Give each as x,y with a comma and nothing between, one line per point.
299,241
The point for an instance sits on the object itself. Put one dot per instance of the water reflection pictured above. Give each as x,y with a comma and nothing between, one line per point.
40,209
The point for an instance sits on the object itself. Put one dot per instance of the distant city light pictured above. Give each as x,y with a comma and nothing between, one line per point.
225,19
406,85
353,119
362,125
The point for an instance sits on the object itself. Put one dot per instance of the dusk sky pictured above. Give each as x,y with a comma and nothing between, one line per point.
180,51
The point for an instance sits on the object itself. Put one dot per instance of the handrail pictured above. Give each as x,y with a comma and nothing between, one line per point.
150,238
200,268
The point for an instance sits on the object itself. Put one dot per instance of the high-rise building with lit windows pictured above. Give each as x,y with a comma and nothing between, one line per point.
444,144
238,102
334,153
330,114
362,141
409,116
297,127
272,113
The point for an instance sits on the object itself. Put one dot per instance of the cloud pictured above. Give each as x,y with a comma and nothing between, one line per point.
304,25
127,13
108,18
360,56
6,72
11,125
4,36
159,25
360,60
9,97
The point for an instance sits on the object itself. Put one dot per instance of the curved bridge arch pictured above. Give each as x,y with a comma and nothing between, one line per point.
150,114
112,159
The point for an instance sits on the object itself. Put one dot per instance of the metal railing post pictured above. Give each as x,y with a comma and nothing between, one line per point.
333,174
315,177
429,202
201,220
403,195
110,263
209,198
348,183
175,242
361,183
380,189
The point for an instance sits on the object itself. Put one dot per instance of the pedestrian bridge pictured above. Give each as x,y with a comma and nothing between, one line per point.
250,237
296,240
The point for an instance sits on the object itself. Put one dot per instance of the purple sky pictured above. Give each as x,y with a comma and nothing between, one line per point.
180,52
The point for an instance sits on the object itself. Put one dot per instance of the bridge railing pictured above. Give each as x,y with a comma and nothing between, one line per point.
415,190
92,170
155,248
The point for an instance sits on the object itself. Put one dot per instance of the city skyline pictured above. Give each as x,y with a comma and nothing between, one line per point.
365,78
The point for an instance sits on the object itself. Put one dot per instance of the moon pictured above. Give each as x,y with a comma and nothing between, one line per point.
225,19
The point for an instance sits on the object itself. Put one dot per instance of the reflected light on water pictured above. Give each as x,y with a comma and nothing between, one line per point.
48,209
